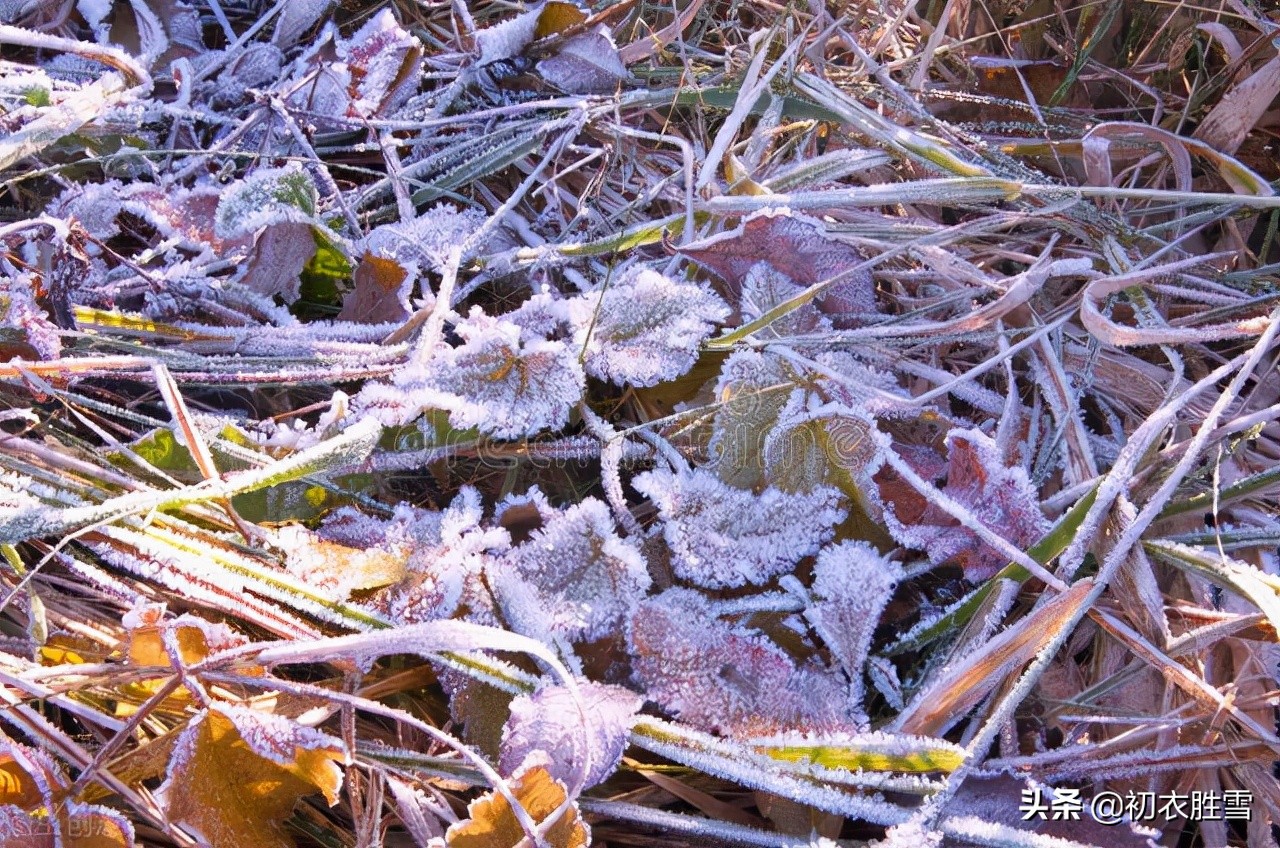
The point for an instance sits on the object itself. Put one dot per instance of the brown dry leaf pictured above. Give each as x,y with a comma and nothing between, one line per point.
377,297
236,775
492,823
972,678
32,814
796,246
338,568
1001,497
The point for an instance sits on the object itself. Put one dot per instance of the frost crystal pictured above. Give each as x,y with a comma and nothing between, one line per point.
582,580
721,536
644,328
725,678
549,721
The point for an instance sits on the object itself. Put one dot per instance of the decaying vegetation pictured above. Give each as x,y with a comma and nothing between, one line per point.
718,422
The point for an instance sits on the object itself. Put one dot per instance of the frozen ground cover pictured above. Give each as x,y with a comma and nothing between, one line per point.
713,423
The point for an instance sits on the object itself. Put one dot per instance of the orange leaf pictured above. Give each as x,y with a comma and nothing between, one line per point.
556,17
236,775
492,823
377,297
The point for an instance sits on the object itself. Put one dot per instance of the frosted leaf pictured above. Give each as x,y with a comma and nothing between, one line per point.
796,245
447,553
647,327
549,721
725,678
296,18
425,241
504,40
1001,498
541,316
267,196
385,64
852,584
496,381
94,206
752,389
394,256
216,636
380,293
275,737
581,580
720,536
28,331
338,569
814,443
280,252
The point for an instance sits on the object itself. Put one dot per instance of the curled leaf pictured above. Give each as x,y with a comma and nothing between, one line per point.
583,746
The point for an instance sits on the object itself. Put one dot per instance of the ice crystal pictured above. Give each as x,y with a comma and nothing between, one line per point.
725,678
644,328
721,536
579,579
549,721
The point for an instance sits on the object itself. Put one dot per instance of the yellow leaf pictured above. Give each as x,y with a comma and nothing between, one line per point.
492,823
232,792
557,17
16,786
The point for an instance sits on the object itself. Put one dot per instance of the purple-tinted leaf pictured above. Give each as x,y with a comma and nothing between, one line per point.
721,536
725,678
796,246
280,252
1000,497
585,64
550,722
385,64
